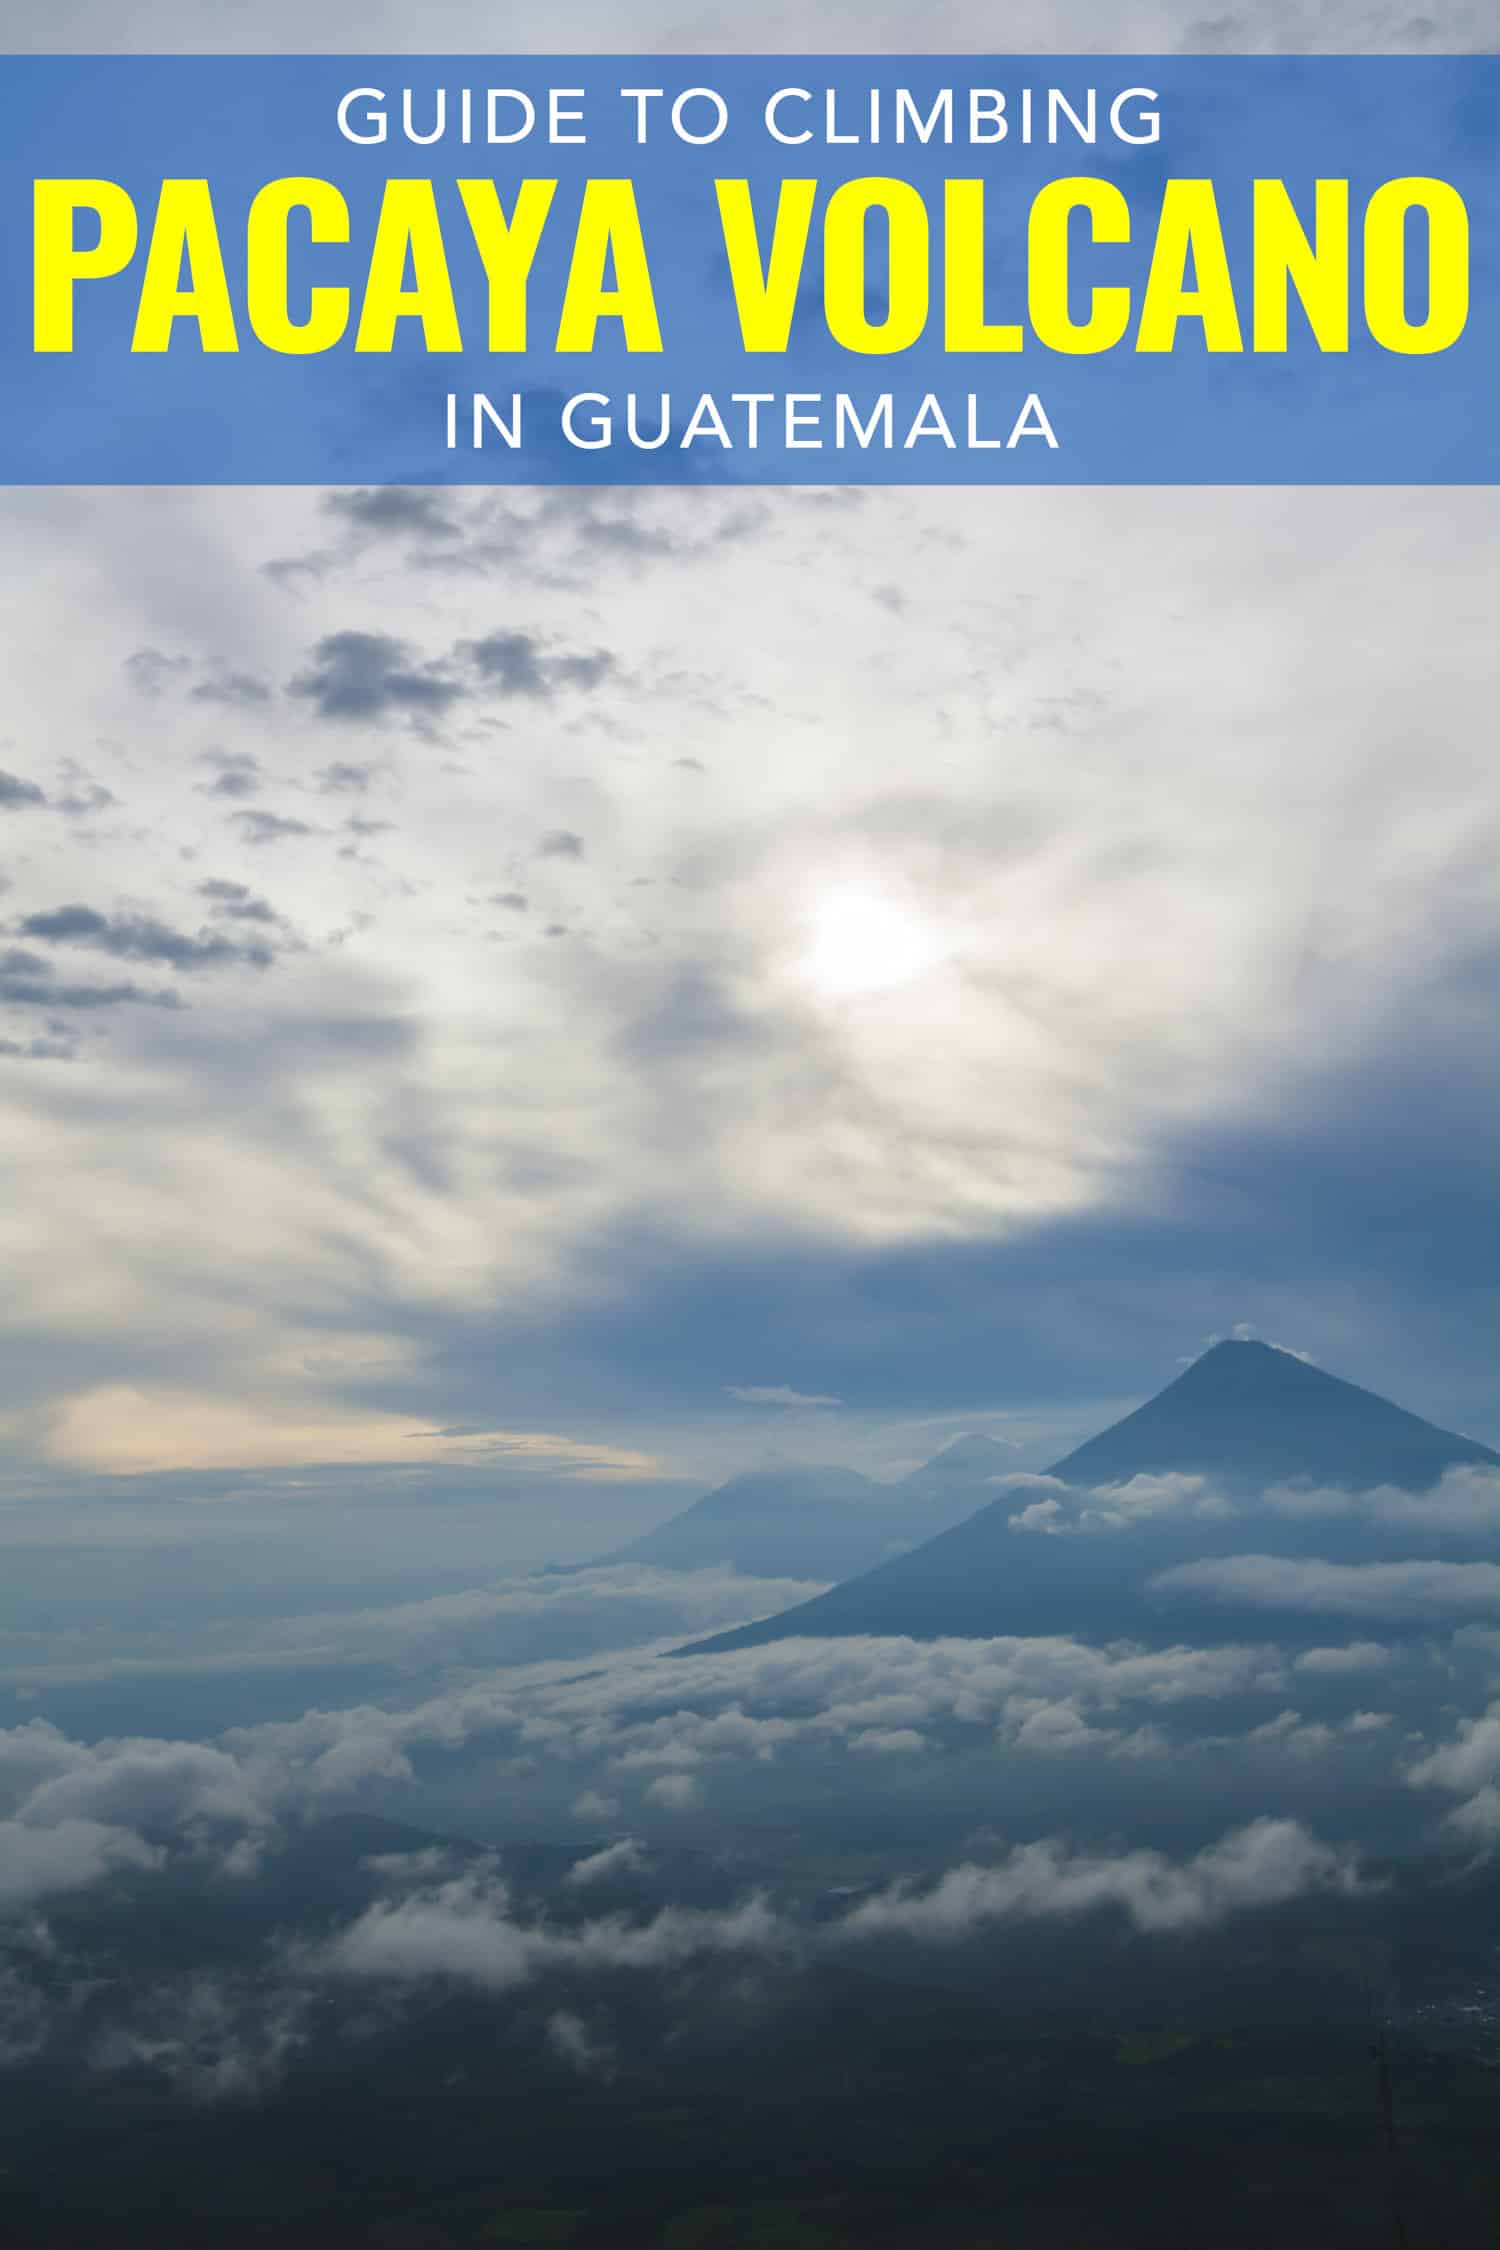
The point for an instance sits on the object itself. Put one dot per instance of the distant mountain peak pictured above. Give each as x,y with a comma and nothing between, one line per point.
796,1481
822,1521
1240,1354
1243,1335
1256,1415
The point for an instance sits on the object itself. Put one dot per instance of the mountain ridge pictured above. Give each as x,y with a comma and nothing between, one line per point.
818,1522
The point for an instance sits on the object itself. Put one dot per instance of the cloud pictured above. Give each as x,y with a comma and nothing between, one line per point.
675,1792
403,511
237,691
26,2010
211,2039
1059,27
1465,1499
40,989
73,1813
1354,1656
1398,1590
374,676
516,664
82,797
39,1862
128,1782
571,2040
236,902
1264,1864
17,795
618,1607
1060,1511
121,1430
750,1708
270,828
779,1394
344,779
150,673
465,1931
1467,1767
1470,1761
665,1729
627,1857
560,843
59,1047
238,774
141,937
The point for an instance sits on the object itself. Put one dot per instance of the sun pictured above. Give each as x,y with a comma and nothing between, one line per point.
861,940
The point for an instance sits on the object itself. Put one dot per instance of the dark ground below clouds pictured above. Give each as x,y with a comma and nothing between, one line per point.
1089,2089
922,2125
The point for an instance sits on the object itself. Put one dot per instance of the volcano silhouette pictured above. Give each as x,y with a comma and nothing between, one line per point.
1253,1416
1243,1419
821,1523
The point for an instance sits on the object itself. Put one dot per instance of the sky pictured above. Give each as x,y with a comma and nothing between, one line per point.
850,26
483,990
516,1006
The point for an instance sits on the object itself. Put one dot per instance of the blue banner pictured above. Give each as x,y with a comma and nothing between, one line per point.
648,269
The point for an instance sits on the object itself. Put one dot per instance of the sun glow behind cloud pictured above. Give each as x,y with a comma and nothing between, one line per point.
862,940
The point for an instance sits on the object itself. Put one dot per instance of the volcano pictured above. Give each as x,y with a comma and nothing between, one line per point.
817,1522
1243,1420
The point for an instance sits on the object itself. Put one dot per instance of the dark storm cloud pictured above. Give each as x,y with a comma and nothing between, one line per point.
397,509
17,795
141,937
517,664
373,676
